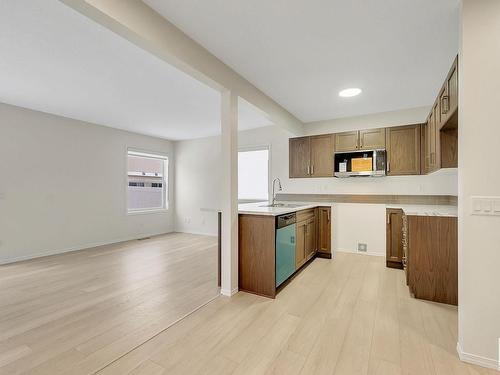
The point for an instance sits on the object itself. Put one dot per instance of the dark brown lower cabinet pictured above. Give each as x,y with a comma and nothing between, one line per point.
394,238
432,258
324,217
300,247
256,254
311,240
257,247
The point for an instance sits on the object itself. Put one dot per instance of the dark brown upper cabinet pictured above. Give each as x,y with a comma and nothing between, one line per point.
448,96
321,156
346,141
311,156
299,157
368,139
403,150
371,139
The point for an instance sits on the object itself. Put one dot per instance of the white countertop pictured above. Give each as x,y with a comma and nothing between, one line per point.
426,210
260,209
409,209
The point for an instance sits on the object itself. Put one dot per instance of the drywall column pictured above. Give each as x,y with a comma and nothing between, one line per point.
229,143
478,175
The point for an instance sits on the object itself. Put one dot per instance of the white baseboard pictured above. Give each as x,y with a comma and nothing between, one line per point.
228,293
196,232
477,360
78,248
370,253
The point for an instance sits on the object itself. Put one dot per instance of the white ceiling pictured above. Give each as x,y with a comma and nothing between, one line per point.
55,60
301,53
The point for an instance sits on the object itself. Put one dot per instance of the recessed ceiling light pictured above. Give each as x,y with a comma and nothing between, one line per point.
347,93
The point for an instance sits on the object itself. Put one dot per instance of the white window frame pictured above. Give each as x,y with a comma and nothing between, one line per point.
269,174
130,151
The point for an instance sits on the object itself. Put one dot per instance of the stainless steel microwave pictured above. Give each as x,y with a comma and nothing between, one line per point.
360,163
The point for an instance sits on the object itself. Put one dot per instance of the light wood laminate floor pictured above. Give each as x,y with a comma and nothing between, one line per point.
347,316
75,313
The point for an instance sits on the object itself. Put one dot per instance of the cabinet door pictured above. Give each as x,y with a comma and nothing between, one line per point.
424,160
347,141
300,247
310,246
403,150
436,136
299,157
448,97
453,89
431,132
370,139
394,238
322,156
324,230
443,102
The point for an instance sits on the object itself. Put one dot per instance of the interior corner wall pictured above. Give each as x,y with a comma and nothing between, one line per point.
63,185
479,142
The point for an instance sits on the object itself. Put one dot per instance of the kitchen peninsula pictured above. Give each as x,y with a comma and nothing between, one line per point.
275,242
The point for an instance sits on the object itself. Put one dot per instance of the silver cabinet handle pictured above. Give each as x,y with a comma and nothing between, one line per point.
443,99
308,169
388,166
312,169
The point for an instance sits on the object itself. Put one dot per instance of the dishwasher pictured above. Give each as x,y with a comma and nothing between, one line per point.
285,247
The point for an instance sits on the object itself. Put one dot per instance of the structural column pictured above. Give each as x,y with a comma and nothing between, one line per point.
229,144
478,176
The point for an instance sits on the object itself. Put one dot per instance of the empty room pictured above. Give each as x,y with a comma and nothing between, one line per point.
249,187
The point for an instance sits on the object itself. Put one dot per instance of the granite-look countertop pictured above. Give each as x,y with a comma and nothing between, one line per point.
261,209
426,210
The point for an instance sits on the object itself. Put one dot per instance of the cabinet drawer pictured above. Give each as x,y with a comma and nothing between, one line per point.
305,215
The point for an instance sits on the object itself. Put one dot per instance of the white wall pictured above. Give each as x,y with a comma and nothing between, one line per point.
198,184
479,142
376,120
347,231
63,185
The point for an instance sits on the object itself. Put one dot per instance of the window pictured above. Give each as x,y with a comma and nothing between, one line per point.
147,180
253,174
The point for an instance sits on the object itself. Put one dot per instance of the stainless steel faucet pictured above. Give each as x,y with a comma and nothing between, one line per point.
279,189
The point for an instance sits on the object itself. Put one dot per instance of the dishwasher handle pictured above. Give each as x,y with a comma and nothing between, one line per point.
285,220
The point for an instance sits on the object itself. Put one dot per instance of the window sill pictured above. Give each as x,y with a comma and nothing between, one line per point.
145,212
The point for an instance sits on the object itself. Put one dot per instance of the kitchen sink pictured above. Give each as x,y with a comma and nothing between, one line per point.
284,205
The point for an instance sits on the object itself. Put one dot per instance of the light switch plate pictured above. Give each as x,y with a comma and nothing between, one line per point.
496,206
485,206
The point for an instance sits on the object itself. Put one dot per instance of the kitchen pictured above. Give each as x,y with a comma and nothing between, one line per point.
277,239
321,199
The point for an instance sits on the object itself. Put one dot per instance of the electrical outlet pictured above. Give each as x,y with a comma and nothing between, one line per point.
362,247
